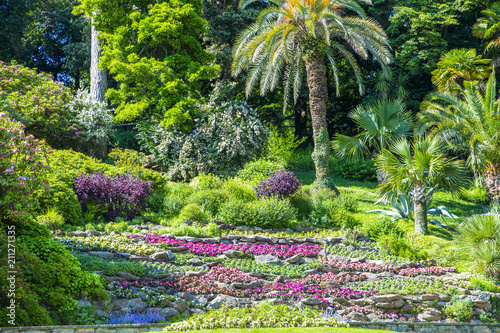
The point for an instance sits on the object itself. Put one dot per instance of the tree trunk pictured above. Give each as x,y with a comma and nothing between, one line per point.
419,196
318,96
492,182
98,87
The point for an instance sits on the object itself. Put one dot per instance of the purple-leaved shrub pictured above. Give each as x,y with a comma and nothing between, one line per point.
281,184
124,195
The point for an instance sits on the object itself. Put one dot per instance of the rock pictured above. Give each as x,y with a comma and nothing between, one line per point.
83,302
311,301
136,304
120,303
178,249
233,254
80,233
268,259
243,286
134,257
202,300
429,315
196,273
169,312
311,272
243,228
128,276
91,232
429,297
195,310
111,279
195,262
185,295
295,259
255,284
217,302
356,316
279,279
407,308
167,255
180,306
114,233
386,298
390,305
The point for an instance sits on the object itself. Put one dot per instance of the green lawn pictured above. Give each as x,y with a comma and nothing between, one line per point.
289,330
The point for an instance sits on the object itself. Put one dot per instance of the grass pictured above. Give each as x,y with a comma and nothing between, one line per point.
288,330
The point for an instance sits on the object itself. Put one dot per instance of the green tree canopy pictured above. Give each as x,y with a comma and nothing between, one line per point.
154,52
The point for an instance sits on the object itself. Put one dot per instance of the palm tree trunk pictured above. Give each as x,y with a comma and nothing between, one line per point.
318,96
492,182
419,196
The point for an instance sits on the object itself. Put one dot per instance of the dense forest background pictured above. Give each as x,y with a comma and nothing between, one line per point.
54,37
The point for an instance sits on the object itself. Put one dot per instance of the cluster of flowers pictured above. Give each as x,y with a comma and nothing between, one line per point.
229,274
358,266
432,270
206,249
145,283
136,318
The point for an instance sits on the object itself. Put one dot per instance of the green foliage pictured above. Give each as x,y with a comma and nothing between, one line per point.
93,264
377,227
192,211
238,190
209,200
52,219
127,158
282,145
264,213
205,182
255,171
80,315
61,196
40,104
302,160
176,197
363,170
160,71
474,194
398,245
459,309
303,204
329,211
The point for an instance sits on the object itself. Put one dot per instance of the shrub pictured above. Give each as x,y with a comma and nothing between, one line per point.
237,190
348,202
209,200
459,309
122,195
192,211
255,171
51,219
263,213
396,245
41,105
474,194
302,203
23,170
378,227
205,182
156,201
282,145
176,197
127,158
221,143
63,197
329,212
301,160
363,170
94,116
280,184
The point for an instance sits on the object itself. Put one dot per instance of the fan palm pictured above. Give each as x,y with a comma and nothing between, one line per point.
380,124
293,36
457,66
420,169
470,123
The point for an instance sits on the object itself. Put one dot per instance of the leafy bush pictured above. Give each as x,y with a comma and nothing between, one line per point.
282,145
363,170
376,228
329,212
474,194
176,197
23,170
263,213
209,200
263,315
303,204
205,182
51,219
396,245
348,202
280,184
41,105
301,160
255,171
127,158
63,197
459,309
221,143
237,190
192,211
94,116
121,195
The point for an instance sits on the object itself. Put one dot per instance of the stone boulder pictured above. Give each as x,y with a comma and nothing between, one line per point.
268,259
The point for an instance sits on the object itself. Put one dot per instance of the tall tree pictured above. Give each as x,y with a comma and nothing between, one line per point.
294,35
98,80
488,28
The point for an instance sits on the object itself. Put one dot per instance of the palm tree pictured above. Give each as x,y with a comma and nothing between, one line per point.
457,66
469,124
420,169
488,27
381,123
293,35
